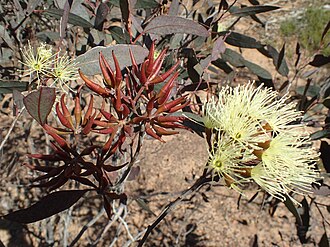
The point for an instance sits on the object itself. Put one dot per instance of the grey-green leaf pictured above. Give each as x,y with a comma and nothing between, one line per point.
165,24
258,70
251,10
9,86
243,41
73,19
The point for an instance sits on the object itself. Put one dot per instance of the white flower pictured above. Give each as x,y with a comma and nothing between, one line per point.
64,70
39,61
260,139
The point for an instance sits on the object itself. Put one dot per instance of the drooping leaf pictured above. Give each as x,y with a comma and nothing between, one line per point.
139,4
302,229
320,60
309,90
18,99
48,35
65,18
120,35
49,205
233,57
125,14
73,19
89,65
9,86
258,70
194,117
325,154
101,14
4,35
298,53
164,25
324,241
39,103
292,208
221,64
317,135
326,29
323,190
192,66
146,4
326,103
241,40
144,205
280,57
223,5
252,10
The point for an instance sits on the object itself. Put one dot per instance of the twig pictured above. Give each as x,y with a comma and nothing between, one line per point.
198,184
85,227
110,223
133,160
125,224
66,223
11,128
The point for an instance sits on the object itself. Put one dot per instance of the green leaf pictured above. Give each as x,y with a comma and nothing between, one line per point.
146,4
252,10
73,19
320,60
279,60
324,242
9,86
326,103
6,38
89,61
258,70
194,117
121,36
243,41
320,134
45,35
312,90
233,57
140,4
292,208
39,103
165,24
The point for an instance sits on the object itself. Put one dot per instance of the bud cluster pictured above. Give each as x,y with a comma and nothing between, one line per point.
130,108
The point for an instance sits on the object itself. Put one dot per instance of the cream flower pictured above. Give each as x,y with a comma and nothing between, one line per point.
39,61
260,133
64,70
290,162
227,158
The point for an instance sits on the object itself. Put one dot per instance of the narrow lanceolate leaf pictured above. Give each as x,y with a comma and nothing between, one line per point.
72,18
10,86
165,24
47,206
89,61
39,103
258,70
252,10
240,40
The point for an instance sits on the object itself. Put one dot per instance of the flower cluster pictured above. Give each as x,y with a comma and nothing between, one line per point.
258,138
48,65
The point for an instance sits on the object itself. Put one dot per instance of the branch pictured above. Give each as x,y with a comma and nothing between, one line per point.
171,206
